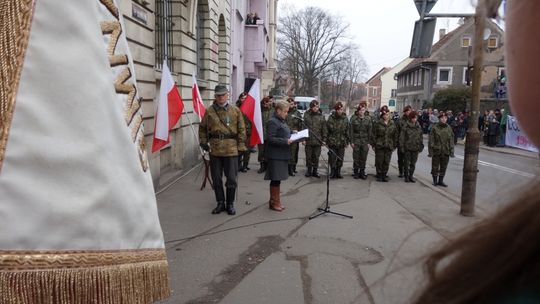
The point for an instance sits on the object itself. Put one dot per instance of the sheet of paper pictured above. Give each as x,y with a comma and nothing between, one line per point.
299,135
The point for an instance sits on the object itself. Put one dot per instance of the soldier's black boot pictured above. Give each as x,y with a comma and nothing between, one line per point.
384,177
262,168
362,174
435,182
411,179
333,173
401,173
338,173
406,175
379,177
230,201
220,208
291,171
308,172
441,181
294,169
355,173
315,173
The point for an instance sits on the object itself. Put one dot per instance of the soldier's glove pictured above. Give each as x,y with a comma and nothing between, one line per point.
429,155
452,155
205,147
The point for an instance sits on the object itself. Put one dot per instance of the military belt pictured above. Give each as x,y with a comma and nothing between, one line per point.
222,136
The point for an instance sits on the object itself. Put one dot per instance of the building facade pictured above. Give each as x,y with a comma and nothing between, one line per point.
448,66
373,86
206,38
389,86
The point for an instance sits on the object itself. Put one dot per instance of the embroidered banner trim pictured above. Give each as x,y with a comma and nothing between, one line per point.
15,23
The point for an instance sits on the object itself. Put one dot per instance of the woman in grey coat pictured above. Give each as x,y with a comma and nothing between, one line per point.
278,153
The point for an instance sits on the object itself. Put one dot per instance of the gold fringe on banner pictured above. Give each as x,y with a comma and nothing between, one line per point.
110,277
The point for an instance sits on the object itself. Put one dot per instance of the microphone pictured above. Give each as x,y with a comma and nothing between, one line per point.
299,118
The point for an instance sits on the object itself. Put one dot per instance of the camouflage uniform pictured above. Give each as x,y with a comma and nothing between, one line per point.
410,143
338,126
441,147
316,123
243,159
401,154
223,129
384,140
266,113
360,128
295,125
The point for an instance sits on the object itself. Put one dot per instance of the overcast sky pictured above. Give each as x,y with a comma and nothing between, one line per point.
383,28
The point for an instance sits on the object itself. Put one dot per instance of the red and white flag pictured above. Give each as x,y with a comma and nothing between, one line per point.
252,108
169,109
198,105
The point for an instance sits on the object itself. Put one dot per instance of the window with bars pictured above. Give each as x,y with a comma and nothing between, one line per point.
164,34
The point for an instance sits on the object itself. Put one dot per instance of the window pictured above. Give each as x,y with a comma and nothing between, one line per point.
466,74
164,26
465,41
493,42
392,103
374,92
393,93
501,72
444,75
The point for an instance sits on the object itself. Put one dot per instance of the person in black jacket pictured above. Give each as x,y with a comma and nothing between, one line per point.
278,153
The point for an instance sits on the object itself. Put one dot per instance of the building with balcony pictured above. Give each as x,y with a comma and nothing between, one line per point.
253,44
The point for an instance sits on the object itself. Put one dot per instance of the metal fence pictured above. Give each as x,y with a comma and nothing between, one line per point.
164,34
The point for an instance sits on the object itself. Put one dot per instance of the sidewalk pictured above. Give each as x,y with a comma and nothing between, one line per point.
262,256
506,150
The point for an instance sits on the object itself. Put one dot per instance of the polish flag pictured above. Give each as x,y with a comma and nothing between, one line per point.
252,108
169,109
198,105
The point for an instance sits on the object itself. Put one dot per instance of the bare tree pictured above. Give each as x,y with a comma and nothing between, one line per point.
309,41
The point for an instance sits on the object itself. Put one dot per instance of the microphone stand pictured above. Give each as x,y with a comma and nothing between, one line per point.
326,208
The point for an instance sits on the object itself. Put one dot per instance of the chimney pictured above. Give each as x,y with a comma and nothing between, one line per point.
442,32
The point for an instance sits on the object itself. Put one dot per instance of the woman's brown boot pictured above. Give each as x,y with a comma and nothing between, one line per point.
274,202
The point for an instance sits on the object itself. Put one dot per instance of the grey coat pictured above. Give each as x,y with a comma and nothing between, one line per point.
278,151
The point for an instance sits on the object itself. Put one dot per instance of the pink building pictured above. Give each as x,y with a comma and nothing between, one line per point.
253,45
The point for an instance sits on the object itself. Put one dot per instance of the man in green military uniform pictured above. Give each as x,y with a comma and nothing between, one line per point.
267,109
222,132
243,157
338,126
360,128
441,148
411,143
295,125
399,125
384,140
316,123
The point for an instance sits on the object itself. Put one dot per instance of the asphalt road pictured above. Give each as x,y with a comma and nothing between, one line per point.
500,175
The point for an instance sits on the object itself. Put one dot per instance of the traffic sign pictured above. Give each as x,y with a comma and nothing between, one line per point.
423,38
429,5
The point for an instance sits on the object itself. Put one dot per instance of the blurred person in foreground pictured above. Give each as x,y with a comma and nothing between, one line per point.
498,260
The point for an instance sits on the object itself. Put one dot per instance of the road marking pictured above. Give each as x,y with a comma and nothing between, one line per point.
503,168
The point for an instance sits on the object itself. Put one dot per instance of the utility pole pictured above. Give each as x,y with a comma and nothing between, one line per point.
470,166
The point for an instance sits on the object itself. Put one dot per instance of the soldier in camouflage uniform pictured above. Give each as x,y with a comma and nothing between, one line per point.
441,148
222,132
411,143
243,159
360,127
338,126
384,140
267,110
399,125
295,125
314,120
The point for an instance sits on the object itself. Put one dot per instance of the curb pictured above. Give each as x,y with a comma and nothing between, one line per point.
524,154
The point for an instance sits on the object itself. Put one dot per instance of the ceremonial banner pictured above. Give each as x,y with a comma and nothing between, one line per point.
78,214
516,138
251,107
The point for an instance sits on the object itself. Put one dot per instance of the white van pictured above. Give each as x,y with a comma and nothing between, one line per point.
302,103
